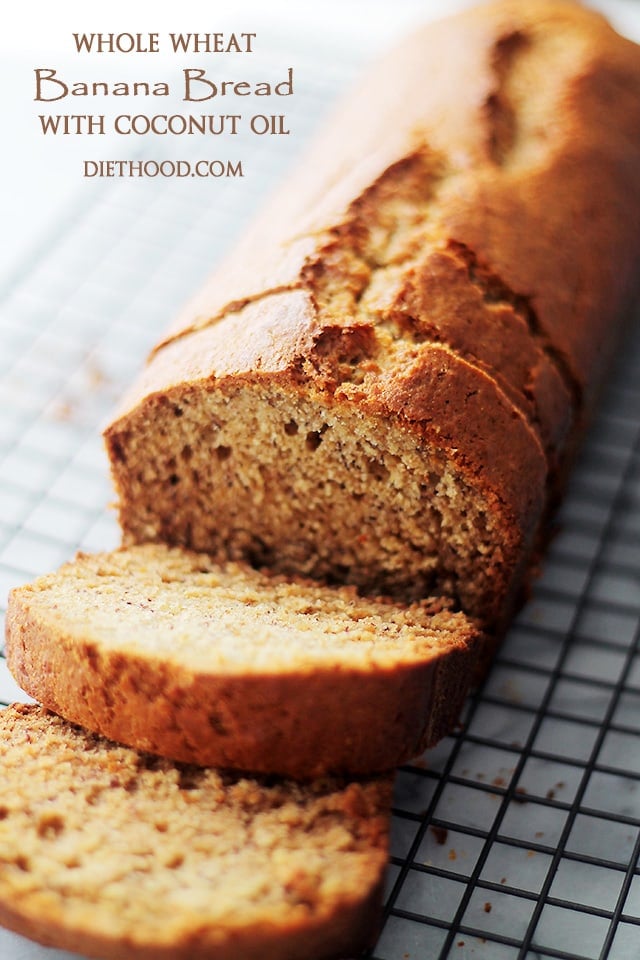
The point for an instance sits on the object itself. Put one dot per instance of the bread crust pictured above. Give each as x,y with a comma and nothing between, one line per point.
569,156
447,100
348,930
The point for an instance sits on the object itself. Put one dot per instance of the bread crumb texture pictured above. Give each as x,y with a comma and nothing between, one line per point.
184,608
107,850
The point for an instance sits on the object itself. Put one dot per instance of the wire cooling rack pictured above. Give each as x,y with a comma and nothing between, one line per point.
517,837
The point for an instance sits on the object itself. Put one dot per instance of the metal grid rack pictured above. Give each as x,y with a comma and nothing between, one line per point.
517,837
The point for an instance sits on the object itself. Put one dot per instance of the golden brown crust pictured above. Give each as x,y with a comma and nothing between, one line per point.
452,258
531,112
446,100
102,851
290,711
347,932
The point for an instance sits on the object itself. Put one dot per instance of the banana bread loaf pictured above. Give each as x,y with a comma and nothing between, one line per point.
164,651
121,855
386,381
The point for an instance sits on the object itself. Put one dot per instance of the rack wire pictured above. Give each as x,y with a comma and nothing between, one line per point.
518,836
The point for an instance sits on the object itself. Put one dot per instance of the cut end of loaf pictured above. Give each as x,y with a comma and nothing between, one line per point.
121,855
306,485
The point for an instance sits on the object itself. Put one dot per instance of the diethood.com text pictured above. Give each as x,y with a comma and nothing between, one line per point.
162,168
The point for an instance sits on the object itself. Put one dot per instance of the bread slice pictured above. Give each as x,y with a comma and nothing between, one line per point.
121,855
165,651
385,382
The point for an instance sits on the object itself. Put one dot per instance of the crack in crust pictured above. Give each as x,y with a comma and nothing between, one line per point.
494,291
501,112
373,272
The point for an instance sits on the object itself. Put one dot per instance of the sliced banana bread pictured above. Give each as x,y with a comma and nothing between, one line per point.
121,855
165,651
